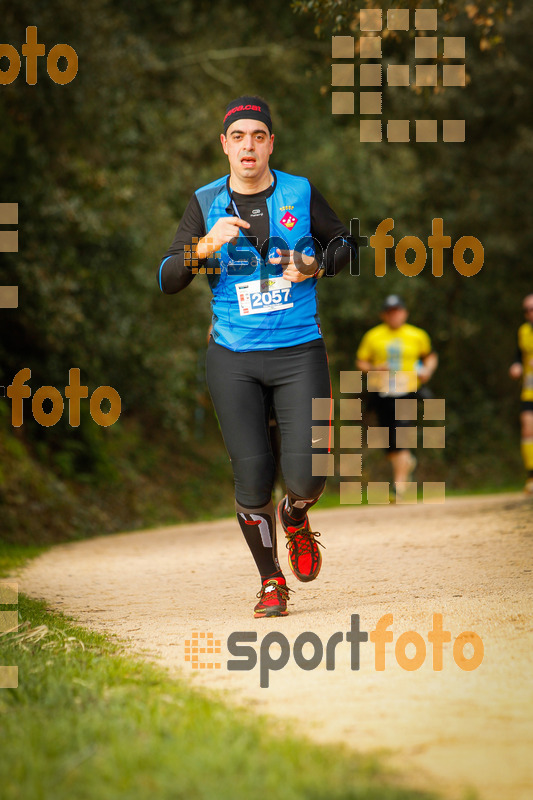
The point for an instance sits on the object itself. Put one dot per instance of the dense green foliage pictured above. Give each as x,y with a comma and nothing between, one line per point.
102,169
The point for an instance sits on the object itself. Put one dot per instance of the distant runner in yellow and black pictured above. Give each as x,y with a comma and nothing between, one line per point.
523,368
396,347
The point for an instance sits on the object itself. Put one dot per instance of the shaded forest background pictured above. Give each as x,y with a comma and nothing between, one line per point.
102,169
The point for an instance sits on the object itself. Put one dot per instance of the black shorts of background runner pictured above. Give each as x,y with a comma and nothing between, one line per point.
385,408
242,386
526,405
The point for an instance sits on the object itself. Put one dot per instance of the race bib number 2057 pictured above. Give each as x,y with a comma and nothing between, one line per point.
253,299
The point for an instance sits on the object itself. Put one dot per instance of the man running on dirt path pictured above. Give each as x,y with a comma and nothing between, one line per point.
523,368
258,234
396,347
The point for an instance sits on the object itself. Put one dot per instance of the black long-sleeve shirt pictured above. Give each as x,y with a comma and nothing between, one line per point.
173,275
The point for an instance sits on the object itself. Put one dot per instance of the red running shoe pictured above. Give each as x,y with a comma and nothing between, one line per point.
273,598
305,558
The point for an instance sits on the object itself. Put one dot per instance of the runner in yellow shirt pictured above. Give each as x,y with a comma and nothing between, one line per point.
396,347
523,368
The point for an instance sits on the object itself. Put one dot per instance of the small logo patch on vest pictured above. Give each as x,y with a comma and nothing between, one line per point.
289,220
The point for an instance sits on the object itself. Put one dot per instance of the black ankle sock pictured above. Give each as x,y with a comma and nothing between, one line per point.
295,508
277,574
292,515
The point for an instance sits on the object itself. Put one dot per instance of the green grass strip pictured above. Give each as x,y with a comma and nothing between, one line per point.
90,722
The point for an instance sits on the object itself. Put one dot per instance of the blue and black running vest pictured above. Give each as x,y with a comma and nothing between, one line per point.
254,308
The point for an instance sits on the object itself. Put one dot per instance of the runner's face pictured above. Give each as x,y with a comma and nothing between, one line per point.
528,307
395,317
248,146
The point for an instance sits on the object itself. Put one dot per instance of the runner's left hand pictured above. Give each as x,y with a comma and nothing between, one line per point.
296,266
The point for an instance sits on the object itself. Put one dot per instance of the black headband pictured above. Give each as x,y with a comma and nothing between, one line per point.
247,107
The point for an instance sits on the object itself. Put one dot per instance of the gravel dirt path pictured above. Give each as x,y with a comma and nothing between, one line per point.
469,559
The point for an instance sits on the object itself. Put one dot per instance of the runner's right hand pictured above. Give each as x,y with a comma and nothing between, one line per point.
223,231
